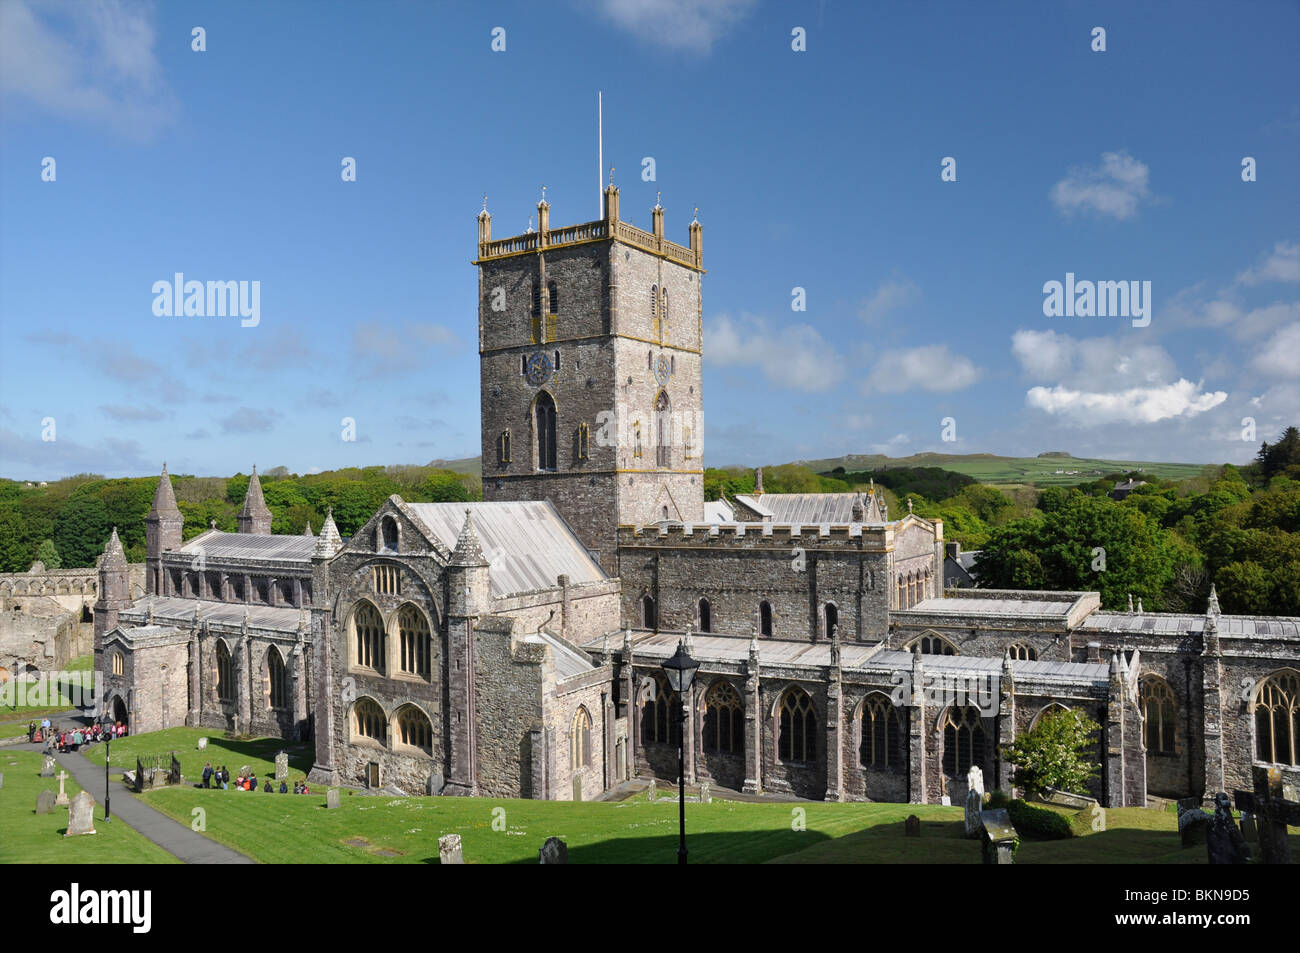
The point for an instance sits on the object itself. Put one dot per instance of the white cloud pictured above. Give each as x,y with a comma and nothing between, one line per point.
1280,357
1134,405
92,61
1090,363
795,356
1282,264
677,24
1114,188
932,368
890,296
383,349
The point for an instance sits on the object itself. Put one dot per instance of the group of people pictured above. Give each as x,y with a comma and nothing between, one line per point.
70,739
220,777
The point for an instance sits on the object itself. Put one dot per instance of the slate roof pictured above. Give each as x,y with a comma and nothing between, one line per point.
568,663
1160,623
957,605
527,544
806,508
176,609
215,544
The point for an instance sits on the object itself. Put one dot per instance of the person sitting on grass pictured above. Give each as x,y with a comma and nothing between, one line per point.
284,787
250,783
239,783
224,780
267,786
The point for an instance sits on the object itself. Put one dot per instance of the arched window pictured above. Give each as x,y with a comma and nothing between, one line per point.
580,740
414,730
416,646
1277,719
902,591
881,745
649,619
553,294
368,637
765,618
544,428
537,300
705,620
1158,714
1023,652
278,682
964,740
797,729
654,305
832,619
724,719
663,431
368,721
660,715
225,674
119,664
935,645
389,540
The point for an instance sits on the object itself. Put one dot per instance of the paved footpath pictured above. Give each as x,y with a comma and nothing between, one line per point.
177,839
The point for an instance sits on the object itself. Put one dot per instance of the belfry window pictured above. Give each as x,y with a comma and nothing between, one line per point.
765,618
544,428
663,431
553,294
584,441
503,447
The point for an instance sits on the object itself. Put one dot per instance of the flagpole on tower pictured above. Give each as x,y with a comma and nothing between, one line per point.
600,155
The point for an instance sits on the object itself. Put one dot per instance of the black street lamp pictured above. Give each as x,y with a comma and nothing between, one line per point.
106,723
680,670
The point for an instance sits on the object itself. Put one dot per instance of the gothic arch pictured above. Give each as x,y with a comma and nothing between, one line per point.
879,727
367,637
275,680
412,641
1049,708
411,729
367,722
1275,710
1159,707
223,681
795,725
543,419
932,643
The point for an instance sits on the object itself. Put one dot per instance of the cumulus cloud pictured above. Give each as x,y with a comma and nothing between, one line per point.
87,61
1114,188
889,297
676,24
1135,405
1282,264
795,356
932,368
382,349
1280,357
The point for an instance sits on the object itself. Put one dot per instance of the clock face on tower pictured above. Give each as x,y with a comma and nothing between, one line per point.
661,370
539,368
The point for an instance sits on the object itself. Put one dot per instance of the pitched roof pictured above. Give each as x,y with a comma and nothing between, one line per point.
811,508
254,501
164,500
527,544
215,544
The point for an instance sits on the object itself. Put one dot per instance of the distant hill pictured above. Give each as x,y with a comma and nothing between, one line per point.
471,465
1043,470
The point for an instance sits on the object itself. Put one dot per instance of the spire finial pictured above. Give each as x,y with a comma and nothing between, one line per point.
611,177
529,230
543,195
696,219
658,195
485,201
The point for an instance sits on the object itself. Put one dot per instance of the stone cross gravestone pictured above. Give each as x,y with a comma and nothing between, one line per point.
974,801
282,766
47,767
912,827
332,798
45,802
63,795
706,797
999,837
203,744
554,851
81,815
449,849
1224,844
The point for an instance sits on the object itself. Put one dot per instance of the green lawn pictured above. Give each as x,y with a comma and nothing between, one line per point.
80,671
30,838
258,753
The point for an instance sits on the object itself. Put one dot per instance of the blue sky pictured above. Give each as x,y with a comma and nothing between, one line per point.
816,169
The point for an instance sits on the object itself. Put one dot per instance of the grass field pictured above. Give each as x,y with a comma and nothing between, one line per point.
1034,471
258,753
79,671
30,838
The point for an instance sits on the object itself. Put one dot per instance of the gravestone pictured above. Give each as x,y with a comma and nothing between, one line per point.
139,776
1248,828
203,744
1192,822
974,801
1000,837
332,798
554,851
706,797
174,772
434,784
282,766
577,787
2,780
912,827
449,849
1224,844
1275,802
45,802
47,767
81,815
654,789
63,796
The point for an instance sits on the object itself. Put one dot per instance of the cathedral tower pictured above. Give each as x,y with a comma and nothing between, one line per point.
114,593
590,346
162,532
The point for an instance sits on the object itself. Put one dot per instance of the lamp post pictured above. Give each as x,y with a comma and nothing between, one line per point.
106,723
680,670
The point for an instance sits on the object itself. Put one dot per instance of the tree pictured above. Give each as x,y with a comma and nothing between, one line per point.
1054,753
1285,453
82,530
48,555
443,486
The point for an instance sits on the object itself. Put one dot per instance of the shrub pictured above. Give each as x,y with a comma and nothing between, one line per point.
1038,823
997,799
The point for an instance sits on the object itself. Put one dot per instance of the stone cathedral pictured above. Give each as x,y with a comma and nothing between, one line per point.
512,647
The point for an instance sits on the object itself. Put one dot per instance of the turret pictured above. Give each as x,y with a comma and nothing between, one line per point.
254,517
468,576
162,532
329,541
114,592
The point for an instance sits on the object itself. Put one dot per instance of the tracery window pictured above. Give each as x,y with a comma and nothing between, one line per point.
964,740
881,745
368,721
660,714
368,637
119,666
386,580
414,730
544,426
724,719
416,645
580,740
277,679
1277,719
1159,714
797,727
1023,652
225,674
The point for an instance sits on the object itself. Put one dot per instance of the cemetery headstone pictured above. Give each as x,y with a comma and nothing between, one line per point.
1248,828
139,775
47,767
654,789
974,801
174,772
282,766
1000,837
1275,802
912,827
554,851
45,802
203,744
449,849
63,795
81,815
1224,844
706,796
1192,822
2,780
332,798
434,785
